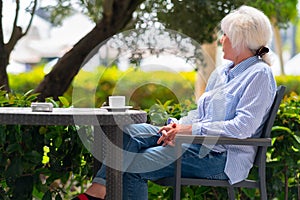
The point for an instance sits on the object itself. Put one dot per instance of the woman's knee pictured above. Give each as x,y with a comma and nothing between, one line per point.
142,129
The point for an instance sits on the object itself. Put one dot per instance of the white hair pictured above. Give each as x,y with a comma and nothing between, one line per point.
248,27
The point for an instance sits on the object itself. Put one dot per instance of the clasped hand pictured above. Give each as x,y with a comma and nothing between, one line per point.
168,134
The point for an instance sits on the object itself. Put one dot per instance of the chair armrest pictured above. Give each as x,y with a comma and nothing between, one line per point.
199,139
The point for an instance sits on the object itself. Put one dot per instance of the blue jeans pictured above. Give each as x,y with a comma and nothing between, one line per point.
145,160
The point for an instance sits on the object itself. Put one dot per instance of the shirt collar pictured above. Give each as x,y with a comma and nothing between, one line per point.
241,67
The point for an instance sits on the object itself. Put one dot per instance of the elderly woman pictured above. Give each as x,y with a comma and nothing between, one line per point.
237,99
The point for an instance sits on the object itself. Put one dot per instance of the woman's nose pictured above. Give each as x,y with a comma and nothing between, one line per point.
221,39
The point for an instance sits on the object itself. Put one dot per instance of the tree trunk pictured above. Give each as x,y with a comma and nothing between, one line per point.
58,80
4,84
278,44
278,47
3,59
6,49
210,51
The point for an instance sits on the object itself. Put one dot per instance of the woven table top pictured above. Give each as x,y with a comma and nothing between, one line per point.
70,116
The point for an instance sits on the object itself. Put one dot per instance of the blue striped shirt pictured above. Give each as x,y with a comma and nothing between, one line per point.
235,104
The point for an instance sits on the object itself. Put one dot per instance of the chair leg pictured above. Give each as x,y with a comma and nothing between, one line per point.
263,190
230,191
262,175
176,193
177,186
263,195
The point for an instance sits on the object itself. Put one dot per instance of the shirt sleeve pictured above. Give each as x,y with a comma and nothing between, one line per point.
189,119
252,106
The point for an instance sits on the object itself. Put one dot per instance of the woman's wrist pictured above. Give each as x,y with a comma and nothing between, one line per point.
185,129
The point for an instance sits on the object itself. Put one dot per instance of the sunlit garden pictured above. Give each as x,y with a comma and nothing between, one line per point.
51,161
76,54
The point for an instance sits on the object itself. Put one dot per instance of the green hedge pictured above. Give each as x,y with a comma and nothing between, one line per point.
292,83
142,88
91,88
23,82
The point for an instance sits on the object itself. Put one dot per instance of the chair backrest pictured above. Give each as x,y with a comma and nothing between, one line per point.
266,132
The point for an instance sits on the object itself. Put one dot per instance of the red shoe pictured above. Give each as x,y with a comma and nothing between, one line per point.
86,197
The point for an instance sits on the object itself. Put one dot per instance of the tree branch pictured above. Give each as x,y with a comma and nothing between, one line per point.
1,26
17,14
108,8
31,18
16,32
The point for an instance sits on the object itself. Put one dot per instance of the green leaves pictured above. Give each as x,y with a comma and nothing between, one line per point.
17,100
281,10
160,112
24,171
283,168
14,168
64,101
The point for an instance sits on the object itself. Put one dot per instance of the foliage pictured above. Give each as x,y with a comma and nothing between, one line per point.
27,80
291,83
142,89
58,12
17,100
157,192
40,161
91,88
160,112
189,18
63,9
298,37
149,87
283,166
279,11
199,19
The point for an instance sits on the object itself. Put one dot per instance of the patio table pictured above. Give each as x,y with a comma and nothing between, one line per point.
108,135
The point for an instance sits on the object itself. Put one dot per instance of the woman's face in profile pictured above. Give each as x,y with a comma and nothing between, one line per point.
229,52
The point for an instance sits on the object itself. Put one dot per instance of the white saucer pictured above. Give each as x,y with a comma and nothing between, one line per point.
117,109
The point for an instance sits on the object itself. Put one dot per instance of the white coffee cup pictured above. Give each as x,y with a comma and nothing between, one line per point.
116,101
